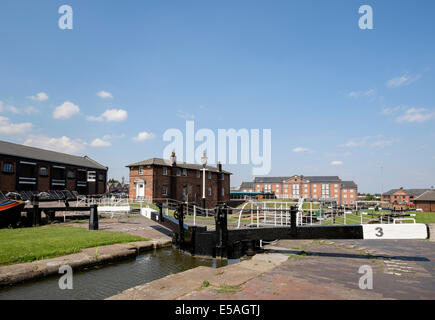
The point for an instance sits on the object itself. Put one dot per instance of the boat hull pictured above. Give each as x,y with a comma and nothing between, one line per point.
10,213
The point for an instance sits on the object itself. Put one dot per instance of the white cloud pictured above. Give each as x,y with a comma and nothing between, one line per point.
10,109
142,136
301,149
104,94
355,143
31,110
390,111
7,127
42,96
415,115
356,94
402,81
382,143
376,141
111,115
185,115
336,163
66,110
100,143
63,144
13,109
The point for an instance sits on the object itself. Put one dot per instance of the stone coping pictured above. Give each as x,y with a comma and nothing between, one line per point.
88,257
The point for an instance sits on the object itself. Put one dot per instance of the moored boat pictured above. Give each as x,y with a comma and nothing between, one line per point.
10,212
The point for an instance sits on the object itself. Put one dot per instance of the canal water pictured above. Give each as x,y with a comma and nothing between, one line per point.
103,282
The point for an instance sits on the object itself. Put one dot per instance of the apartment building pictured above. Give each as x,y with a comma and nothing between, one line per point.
312,187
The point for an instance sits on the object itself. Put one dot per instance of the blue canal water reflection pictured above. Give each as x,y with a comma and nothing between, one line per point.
104,282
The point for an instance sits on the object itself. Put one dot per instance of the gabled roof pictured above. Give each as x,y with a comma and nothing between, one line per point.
428,195
167,163
349,185
22,151
409,192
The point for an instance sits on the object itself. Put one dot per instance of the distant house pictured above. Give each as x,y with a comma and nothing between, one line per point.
397,196
160,179
24,168
426,201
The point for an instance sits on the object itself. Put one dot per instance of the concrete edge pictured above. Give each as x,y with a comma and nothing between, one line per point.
431,229
180,285
86,258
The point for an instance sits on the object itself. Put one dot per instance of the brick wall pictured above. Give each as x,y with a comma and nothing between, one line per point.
8,180
155,180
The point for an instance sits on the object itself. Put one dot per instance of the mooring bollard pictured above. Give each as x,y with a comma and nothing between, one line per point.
93,219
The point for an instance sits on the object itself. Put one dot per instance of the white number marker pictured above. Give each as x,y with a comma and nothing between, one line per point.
395,231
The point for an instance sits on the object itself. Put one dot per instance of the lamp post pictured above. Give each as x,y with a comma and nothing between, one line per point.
204,164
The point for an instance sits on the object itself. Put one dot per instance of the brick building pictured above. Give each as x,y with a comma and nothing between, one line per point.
312,187
400,196
158,179
426,201
26,168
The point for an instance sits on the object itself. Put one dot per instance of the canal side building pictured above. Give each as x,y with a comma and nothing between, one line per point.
400,196
309,187
159,179
25,168
426,201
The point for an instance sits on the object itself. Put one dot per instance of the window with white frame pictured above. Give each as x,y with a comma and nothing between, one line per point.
198,174
140,170
92,175
209,175
178,172
210,191
184,172
165,171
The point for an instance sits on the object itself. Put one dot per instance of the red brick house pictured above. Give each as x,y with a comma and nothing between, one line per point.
157,180
399,196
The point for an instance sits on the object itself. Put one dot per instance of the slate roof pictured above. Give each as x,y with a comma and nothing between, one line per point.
22,151
429,195
247,185
409,192
331,179
167,163
349,185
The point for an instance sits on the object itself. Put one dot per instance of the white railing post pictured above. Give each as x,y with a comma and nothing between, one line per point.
194,215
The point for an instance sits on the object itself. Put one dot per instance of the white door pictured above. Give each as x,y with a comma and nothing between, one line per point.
140,190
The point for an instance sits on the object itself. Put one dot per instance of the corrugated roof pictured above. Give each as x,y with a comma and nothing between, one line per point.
167,163
429,195
22,151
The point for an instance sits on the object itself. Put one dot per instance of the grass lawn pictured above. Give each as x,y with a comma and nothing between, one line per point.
30,244
425,217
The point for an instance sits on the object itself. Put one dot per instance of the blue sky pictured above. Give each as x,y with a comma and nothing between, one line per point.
339,100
